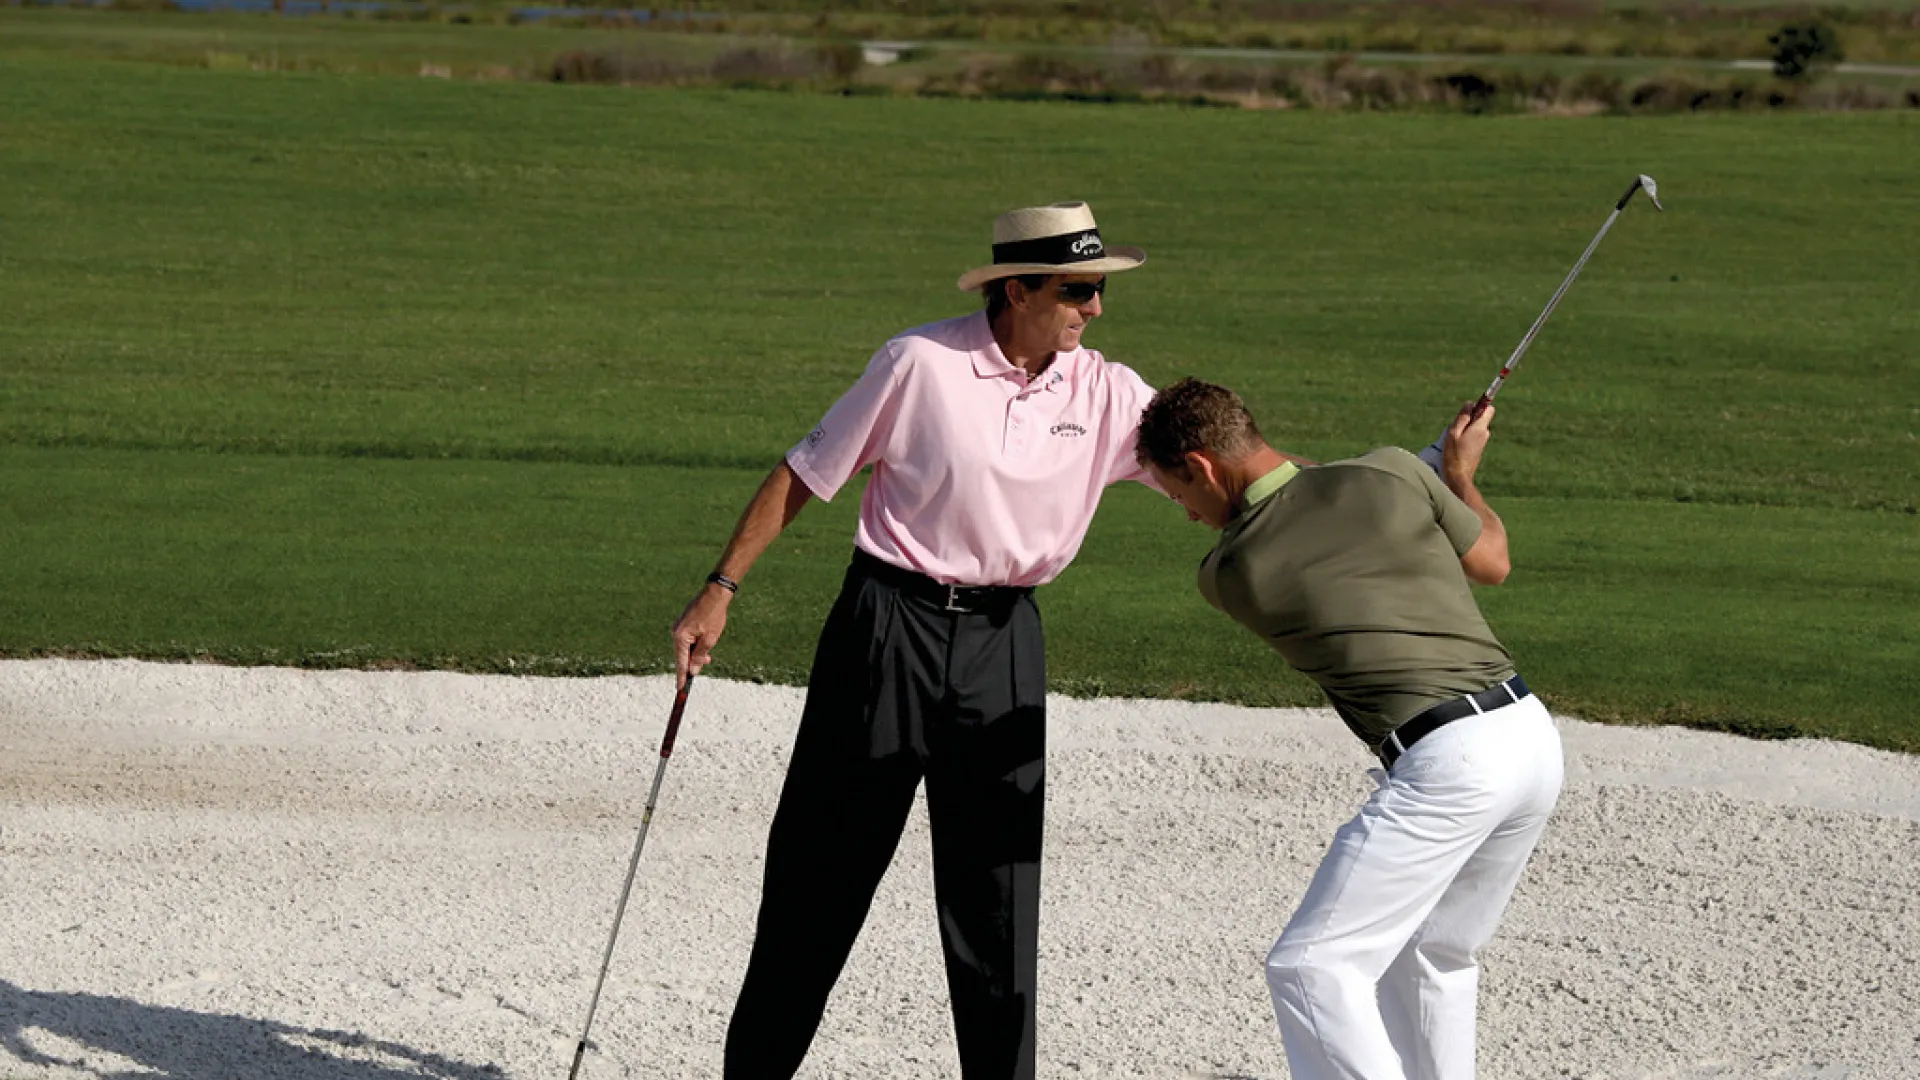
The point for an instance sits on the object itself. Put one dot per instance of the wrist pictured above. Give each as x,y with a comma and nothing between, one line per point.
722,582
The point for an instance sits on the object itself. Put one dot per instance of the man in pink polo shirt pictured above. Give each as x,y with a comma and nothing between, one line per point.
991,437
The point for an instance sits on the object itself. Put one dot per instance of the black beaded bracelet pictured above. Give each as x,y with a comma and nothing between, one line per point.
722,580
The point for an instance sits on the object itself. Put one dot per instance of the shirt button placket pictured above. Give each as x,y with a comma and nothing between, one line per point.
1017,423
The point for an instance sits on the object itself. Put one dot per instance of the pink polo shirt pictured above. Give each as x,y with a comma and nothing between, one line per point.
979,477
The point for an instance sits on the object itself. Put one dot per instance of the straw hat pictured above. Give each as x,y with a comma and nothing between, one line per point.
1057,239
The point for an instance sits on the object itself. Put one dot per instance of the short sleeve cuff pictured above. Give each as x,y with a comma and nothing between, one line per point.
797,460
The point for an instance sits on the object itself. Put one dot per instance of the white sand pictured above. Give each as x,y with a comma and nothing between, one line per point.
227,874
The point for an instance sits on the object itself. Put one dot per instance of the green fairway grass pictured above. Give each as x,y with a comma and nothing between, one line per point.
333,370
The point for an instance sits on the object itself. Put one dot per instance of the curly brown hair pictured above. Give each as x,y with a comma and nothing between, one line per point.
1191,416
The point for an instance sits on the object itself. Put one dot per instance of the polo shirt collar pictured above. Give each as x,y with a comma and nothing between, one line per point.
1264,488
990,363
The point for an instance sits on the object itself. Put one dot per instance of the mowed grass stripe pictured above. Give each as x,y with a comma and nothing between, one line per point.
550,568
247,313
479,270
381,266
571,569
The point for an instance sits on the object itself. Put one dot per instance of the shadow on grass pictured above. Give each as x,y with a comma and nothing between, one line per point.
112,1038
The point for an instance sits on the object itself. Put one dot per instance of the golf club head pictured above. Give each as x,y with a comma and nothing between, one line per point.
1653,191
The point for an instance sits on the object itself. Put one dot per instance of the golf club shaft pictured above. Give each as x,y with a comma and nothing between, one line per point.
639,845
1521,349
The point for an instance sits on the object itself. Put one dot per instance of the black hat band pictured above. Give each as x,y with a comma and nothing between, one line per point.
1071,247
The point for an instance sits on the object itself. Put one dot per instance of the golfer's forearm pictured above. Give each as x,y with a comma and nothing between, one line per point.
1493,531
772,509
1489,561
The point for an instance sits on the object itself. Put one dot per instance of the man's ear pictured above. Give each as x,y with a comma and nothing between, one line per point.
1201,468
1017,292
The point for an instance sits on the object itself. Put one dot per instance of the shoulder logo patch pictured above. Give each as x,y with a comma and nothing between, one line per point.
1068,431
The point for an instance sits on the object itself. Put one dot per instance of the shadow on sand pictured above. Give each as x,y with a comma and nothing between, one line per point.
99,1036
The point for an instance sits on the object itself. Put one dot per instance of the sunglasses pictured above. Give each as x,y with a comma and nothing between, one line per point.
1081,292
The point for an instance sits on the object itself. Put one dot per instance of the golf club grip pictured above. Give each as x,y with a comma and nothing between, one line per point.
1628,197
1480,407
673,719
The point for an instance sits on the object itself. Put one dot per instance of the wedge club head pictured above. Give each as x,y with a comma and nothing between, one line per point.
1643,181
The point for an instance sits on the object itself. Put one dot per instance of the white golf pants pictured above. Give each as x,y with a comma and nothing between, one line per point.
1374,978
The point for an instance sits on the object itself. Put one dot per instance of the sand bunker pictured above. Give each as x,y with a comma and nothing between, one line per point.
228,874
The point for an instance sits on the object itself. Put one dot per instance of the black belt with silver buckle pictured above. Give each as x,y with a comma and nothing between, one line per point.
1402,738
955,598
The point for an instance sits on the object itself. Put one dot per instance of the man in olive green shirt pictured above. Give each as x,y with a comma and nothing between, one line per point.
1357,572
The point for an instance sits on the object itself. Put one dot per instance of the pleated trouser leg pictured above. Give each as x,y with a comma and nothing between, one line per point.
901,690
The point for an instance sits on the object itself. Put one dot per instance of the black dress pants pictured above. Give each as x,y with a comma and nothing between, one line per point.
902,690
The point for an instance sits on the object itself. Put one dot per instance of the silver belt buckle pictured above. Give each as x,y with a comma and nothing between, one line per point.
1392,742
953,600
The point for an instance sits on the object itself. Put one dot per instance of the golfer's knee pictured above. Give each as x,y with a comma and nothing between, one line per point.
1439,957
1288,972
1295,973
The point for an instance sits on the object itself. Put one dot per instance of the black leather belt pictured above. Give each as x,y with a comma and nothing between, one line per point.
955,598
1402,738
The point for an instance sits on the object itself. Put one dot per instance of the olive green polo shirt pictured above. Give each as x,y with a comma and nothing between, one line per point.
1351,571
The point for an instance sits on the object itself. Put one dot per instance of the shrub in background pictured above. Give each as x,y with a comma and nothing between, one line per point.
773,64
1800,51
842,59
